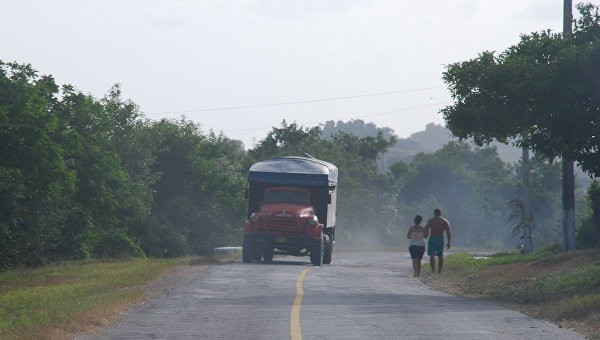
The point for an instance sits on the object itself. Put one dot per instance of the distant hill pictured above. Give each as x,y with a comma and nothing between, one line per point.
433,138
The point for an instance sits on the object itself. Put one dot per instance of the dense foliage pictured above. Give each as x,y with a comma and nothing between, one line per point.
542,94
82,177
589,233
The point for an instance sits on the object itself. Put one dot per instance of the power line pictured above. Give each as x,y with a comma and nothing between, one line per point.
361,116
297,102
405,109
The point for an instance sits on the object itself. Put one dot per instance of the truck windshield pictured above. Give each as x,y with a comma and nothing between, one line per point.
287,196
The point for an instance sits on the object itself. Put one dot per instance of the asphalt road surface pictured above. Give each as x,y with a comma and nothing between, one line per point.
358,296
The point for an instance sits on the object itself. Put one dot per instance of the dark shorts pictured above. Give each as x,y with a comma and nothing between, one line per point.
435,246
416,252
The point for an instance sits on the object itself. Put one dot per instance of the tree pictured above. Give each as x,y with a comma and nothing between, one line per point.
198,200
366,206
289,139
543,93
356,127
106,201
521,222
589,234
35,183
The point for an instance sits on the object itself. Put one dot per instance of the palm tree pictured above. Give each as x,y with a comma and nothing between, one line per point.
521,223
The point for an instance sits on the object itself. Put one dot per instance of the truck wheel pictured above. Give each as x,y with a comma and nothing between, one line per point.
250,251
316,254
246,254
268,254
328,252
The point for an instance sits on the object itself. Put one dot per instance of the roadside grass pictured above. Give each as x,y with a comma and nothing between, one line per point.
465,259
62,298
560,287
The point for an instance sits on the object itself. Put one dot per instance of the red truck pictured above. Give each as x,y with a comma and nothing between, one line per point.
291,210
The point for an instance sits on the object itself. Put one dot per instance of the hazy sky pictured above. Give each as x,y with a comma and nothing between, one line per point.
242,66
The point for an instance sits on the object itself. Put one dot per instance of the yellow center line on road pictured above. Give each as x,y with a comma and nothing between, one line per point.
295,330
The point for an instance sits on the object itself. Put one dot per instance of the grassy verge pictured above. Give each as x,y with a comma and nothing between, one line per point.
563,288
58,300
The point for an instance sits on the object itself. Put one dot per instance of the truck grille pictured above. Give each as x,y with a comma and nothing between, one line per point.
282,225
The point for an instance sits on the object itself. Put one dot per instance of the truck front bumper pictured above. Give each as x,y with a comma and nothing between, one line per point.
280,241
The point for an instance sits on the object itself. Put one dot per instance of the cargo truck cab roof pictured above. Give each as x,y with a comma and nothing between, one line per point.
294,171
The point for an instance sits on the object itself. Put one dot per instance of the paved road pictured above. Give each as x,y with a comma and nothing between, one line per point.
359,296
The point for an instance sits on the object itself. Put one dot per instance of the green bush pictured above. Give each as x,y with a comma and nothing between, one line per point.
588,235
117,244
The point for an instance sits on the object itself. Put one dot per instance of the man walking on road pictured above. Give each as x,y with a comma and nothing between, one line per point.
434,229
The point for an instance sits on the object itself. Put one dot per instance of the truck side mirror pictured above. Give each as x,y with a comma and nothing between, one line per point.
246,193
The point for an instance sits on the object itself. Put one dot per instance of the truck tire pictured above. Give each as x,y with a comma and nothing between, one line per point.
246,254
328,252
268,254
316,254
249,251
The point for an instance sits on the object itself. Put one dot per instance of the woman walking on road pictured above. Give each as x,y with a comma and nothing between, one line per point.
416,247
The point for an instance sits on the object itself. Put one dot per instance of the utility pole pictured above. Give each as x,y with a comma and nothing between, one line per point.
528,218
567,17
568,176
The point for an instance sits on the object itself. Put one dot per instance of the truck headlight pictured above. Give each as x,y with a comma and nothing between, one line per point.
254,218
313,220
